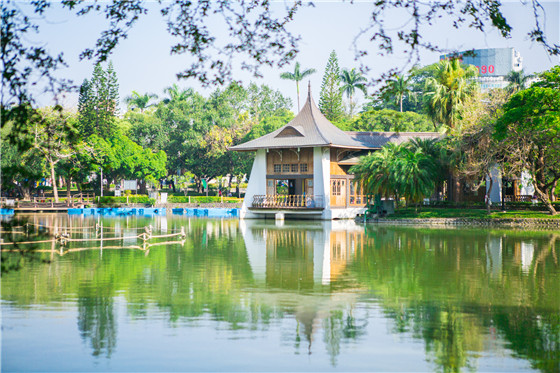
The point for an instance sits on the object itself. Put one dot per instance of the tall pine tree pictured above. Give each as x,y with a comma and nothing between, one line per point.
330,102
86,109
98,103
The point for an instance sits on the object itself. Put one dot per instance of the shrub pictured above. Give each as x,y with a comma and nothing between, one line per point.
109,200
201,199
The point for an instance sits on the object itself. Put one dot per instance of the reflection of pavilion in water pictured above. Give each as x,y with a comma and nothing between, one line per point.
302,254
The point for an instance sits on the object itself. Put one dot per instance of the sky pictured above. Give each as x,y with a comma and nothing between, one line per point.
143,62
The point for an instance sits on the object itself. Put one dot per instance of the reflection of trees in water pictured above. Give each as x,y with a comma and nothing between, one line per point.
532,334
96,319
340,326
206,275
450,288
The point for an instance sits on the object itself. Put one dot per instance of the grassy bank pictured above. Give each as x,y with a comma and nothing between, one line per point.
442,213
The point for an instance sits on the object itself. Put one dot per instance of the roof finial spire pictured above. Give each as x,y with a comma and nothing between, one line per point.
309,88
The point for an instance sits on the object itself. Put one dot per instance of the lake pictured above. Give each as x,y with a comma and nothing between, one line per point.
235,295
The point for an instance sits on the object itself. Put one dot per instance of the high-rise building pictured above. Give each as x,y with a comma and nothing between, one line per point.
493,64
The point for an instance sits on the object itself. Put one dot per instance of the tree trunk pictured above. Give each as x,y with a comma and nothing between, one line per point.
25,191
68,191
53,177
297,88
142,188
545,199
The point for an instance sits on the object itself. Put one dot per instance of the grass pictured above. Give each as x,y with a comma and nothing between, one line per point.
430,212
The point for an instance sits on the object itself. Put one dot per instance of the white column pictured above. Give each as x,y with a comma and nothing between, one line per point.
496,192
257,183
322,177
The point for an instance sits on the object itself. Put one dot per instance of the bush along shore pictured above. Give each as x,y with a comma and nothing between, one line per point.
172,202
472,217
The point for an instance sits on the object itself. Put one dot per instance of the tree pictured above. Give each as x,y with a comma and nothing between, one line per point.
176,94
517,80
397,89
530,132
148,130
410,170
121,158
21,167
138,101
330,101
297,76
390,120
98,103
375,172
53,140
448,90
352,80
476,150
256,32
415,174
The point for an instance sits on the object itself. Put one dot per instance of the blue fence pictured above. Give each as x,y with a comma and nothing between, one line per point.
118,211
211,213
124,211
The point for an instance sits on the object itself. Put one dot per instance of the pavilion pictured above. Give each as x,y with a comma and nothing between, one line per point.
301,170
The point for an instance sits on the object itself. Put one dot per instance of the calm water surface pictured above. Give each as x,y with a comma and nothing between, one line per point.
305,296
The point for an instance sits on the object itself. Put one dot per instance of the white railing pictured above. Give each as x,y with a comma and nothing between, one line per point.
290,202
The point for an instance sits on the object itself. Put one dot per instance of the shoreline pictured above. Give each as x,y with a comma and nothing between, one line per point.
487,222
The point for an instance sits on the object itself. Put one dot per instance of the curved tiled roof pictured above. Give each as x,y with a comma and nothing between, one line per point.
375,140
310,128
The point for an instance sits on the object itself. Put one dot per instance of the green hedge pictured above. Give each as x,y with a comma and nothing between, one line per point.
496,205
201,199
108,200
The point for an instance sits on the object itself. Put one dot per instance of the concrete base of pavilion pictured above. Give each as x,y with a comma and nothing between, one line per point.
305,214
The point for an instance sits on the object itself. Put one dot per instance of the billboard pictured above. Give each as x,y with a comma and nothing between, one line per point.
130,185
490,62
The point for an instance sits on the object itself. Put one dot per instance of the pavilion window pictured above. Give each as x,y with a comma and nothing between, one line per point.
285,168
277,168
295,167
337,186
303,167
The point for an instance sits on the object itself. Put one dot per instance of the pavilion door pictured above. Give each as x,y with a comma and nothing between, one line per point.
338,192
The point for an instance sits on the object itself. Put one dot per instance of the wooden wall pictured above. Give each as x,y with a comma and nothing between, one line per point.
289,157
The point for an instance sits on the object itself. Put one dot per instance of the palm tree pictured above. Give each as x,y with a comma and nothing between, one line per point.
397,88
138,101
297,76
375,171
176,94
447,91
517,80
352,80
439,154
415,174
